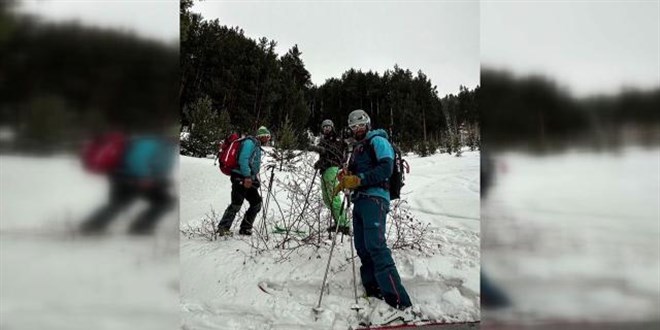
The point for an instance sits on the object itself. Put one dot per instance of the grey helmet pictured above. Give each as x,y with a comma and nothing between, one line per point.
357,117
327,122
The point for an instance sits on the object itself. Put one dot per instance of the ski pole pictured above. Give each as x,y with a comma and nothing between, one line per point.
319,218
311,185
270,184
318,308
265,205
302,212
355,307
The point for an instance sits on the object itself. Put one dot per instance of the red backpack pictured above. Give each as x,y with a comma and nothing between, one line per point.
104,154
228,155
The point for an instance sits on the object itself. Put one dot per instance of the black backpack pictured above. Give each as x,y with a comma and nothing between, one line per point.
396,180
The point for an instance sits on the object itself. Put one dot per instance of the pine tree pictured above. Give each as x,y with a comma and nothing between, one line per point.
206,128
286,143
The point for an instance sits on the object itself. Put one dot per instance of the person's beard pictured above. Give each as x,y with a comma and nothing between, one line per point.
360,134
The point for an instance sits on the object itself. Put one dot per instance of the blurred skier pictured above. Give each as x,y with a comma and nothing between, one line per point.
136,167
491,296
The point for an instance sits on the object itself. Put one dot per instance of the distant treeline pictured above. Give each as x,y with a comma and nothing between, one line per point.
233,83
61,81
534,111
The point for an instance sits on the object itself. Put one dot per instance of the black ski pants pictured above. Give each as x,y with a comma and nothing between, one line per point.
238,194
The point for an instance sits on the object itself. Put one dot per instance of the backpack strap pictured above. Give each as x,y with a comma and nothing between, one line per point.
254,151
374,160
240,147
372,150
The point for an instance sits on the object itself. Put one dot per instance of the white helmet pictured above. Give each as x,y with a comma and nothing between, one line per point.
358,117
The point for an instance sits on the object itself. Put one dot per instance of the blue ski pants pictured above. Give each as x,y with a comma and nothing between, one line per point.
378,271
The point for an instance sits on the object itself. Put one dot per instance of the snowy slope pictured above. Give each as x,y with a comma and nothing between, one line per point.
576,236
219,279
53,279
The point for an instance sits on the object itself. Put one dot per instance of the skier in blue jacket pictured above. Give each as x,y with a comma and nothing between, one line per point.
245,185
368,175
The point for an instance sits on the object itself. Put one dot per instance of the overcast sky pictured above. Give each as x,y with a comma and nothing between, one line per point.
155,19
441,38
590,47
587,46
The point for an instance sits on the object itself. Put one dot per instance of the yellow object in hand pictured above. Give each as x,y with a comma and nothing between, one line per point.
347,182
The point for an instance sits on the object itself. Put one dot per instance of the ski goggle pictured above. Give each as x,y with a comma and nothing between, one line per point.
327,128
357,126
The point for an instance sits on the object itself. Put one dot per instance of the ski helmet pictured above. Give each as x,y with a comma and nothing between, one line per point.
359,117
327,122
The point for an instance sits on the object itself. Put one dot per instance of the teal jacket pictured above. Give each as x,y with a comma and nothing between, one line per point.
148,158
249,158
373,173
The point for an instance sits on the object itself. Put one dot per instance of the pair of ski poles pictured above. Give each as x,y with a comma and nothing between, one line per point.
346,203
318,309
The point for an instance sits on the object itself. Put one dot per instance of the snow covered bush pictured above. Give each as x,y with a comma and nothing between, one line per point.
406,231
295,220
206,229
293,214
301,219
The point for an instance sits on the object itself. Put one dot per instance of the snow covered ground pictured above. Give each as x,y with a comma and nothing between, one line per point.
219,279
51,278
576,236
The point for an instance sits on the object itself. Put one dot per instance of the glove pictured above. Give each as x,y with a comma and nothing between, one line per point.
342,173
317,165
347,182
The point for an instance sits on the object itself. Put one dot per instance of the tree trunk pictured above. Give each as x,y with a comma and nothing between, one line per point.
424,123
256,102
377,108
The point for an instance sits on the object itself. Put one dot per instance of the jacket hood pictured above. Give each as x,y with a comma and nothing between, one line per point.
377,132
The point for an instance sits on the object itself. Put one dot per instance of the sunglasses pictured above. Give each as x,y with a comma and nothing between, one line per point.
357,126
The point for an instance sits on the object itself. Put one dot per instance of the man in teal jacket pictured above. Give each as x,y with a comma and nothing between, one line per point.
245,185
368,176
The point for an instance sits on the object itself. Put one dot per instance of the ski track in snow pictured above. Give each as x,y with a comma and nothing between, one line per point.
220,284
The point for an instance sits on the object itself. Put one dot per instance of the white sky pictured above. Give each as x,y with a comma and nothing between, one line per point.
590,47
155,19
439,37
587,46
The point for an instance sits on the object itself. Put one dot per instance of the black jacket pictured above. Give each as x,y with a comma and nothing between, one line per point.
331,150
